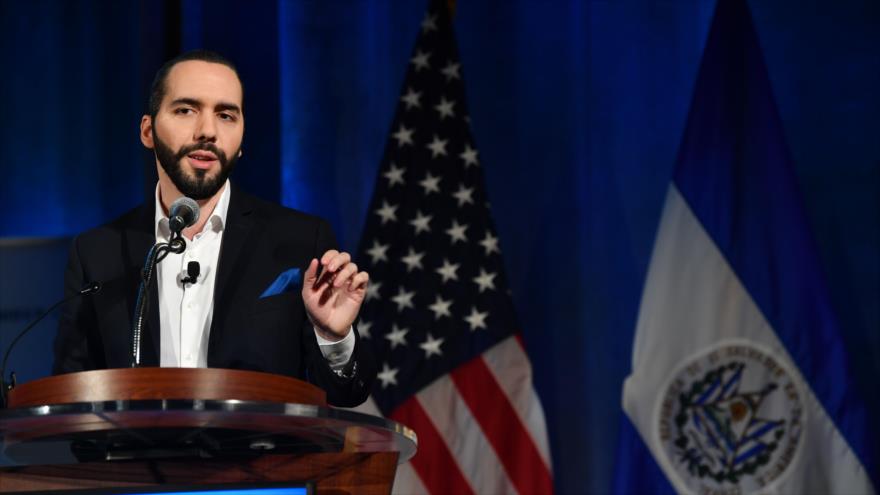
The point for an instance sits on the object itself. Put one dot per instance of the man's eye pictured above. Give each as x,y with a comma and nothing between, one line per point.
228,117
183,111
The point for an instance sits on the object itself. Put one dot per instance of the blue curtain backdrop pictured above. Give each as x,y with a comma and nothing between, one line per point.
578,109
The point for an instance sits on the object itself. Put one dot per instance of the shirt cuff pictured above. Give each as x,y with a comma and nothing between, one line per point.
336,353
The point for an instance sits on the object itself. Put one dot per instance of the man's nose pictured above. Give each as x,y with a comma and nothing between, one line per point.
206,128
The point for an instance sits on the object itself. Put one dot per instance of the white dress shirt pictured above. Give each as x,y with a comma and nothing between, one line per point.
186,311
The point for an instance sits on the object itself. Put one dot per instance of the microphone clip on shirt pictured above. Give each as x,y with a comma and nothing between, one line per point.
193,269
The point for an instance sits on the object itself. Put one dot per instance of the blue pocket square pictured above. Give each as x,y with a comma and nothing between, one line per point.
284,283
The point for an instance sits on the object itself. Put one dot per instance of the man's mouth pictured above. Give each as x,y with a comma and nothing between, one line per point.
202,159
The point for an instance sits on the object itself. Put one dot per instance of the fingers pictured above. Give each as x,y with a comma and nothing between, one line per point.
311,275
329,255
334,260
338,271
344,274
359,282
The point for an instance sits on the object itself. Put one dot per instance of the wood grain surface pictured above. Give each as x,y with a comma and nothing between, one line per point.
165,383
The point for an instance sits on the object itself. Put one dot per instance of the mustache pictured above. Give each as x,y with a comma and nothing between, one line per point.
186,150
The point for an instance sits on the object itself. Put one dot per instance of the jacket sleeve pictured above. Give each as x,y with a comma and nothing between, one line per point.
353,384
76,345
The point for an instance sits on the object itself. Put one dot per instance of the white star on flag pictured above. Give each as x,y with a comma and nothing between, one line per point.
403,136
397,336
431,346
411,99
456,232
429,23
387,212
476,319
379,252
363,328
437,147
490,244
445,108
441,308
421,60
388,376
447,271
464,195
451,71
403,299
485,280
412,260
373,290
394,175
420,222
430,183
469,155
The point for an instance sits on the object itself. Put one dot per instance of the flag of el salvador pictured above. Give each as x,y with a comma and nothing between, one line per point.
740,381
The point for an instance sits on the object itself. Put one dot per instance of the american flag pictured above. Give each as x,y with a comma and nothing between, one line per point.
438,312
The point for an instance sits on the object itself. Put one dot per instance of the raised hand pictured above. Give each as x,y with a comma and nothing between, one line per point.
333,299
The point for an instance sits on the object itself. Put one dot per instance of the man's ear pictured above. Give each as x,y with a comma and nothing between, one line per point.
147,131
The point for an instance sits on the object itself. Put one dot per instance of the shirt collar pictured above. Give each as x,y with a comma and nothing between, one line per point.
216,221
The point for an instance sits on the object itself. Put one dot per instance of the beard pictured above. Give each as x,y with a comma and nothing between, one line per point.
200,185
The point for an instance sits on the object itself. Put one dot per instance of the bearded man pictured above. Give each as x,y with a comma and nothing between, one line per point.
272,293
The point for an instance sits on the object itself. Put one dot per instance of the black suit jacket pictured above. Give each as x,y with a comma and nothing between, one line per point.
271,334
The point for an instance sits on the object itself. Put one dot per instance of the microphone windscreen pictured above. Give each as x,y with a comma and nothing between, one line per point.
186,209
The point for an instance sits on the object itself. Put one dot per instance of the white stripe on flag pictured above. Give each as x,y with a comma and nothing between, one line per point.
694,301
511,367
454,421
469,446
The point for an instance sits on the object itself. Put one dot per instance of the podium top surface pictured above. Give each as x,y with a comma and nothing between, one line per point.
164,383
180,428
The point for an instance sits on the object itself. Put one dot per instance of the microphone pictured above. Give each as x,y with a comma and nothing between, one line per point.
87,289
192,273
184,212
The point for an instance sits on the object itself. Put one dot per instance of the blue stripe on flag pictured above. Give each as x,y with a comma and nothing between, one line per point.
636,470
735,172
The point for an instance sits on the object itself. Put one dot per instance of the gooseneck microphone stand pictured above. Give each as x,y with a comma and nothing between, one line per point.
156,254
182,213
7,386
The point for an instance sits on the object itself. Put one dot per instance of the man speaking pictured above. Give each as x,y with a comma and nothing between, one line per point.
259,287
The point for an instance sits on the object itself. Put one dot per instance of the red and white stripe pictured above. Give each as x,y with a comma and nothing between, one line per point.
481,429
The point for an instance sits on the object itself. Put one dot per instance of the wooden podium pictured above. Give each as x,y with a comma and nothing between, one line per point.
127,429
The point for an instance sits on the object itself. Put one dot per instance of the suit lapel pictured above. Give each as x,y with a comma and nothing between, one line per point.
237,228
